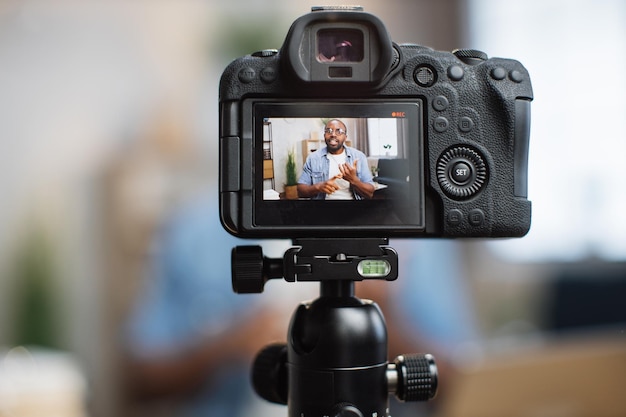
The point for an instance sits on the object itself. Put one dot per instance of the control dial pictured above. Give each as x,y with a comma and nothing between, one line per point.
470,56
461,172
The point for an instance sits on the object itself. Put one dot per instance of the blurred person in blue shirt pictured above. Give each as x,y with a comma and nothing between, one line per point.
191,337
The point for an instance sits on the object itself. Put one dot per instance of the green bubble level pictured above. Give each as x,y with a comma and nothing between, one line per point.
373,268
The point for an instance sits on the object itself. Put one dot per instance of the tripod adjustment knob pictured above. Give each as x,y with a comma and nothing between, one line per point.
251,270
269,373
413,377
247,269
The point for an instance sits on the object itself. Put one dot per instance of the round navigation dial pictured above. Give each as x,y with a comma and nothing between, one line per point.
461,172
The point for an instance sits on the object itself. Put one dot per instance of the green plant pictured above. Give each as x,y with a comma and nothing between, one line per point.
290,167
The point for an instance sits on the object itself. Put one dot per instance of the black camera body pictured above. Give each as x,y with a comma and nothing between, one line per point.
445,135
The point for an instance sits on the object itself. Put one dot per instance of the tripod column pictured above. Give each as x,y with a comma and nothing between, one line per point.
337,356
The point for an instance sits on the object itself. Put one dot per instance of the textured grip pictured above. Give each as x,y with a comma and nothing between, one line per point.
417,377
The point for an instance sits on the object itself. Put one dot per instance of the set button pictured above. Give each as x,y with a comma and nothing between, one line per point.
461,173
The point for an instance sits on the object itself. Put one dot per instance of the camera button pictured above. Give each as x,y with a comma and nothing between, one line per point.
461,173
476,217
268,75
455,73
440,103
441,124
455,217
516,76
498,73
247,75
425,76
466,124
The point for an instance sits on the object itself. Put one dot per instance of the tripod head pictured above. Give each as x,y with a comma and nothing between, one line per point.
321,260
335,361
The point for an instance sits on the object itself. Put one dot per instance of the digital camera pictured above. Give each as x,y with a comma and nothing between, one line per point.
380,139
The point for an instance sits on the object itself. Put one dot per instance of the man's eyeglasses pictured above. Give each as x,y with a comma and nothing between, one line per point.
338,132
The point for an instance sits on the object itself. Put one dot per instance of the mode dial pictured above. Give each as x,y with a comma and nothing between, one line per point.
470,56
265,53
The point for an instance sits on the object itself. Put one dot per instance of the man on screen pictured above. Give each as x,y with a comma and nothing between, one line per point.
337,171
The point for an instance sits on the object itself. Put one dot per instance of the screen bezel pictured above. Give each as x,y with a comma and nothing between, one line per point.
293,218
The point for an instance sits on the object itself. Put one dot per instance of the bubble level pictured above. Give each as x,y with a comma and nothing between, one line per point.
373,268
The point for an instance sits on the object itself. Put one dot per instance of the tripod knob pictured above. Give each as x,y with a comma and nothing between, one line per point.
251,270
247,269
413,377
269,373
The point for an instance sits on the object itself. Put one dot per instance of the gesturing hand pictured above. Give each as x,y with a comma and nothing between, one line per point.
348,172
329,186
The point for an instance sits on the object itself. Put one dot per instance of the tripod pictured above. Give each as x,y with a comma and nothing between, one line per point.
335,362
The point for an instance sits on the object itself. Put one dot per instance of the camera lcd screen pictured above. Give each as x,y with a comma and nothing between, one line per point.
380,141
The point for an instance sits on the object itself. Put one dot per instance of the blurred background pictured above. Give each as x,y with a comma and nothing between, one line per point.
109,128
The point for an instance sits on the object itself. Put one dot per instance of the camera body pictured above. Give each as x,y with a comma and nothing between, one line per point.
445,135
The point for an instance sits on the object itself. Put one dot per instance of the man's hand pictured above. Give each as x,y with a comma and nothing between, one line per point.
348,172
329,186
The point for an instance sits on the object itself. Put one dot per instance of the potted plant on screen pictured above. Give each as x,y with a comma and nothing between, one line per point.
291,184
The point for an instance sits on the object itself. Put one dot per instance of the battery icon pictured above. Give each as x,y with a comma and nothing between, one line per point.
373,268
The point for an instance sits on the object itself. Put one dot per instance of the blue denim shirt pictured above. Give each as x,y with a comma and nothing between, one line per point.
189,300
316,168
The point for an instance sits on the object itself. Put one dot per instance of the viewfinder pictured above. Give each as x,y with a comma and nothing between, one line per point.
340,45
